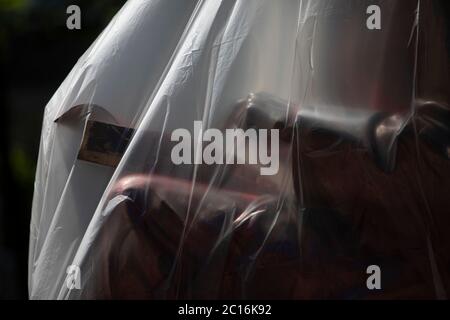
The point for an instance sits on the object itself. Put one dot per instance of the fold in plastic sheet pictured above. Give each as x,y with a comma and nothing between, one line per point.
356,174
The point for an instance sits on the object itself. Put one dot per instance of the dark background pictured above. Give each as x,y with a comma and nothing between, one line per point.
37,51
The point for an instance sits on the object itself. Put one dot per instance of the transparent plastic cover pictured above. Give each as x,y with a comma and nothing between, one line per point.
249,149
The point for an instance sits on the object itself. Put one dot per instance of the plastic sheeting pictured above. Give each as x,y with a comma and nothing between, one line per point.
343,162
